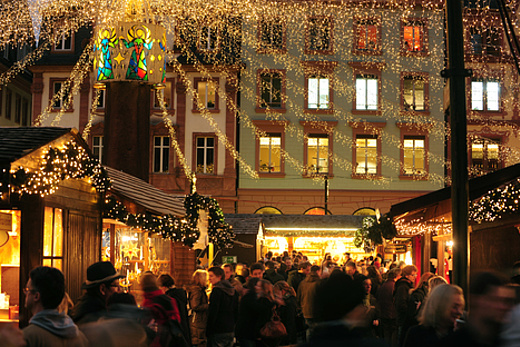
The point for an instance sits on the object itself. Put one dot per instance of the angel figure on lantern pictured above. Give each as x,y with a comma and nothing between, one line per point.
139,38
106,40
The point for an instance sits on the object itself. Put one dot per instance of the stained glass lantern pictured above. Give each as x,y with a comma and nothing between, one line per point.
130,51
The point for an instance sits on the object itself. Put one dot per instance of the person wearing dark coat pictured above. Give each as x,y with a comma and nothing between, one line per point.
287,310
416,300
167,285
402,290
295,277
245,330
198,303
270,273
223,310
385,301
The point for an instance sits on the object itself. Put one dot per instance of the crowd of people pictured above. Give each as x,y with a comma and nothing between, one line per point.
278,301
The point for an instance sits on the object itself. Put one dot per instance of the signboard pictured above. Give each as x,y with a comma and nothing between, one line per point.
6,222
399,248
229,259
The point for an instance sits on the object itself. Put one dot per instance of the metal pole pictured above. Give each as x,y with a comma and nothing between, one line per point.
326,194
459,152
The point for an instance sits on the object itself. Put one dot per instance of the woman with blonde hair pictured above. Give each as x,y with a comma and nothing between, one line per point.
198,307
442,308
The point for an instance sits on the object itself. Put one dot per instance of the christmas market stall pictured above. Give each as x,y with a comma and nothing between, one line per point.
50,190
494,223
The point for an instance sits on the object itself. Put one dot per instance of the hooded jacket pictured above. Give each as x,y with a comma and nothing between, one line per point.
51,328
223,309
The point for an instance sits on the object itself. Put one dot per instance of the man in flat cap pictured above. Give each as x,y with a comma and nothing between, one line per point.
102,281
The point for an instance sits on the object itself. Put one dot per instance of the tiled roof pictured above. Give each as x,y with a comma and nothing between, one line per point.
16,142
244,223
144,194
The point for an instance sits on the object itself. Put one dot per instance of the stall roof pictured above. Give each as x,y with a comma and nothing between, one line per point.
144,194
244,223
478,186
17,142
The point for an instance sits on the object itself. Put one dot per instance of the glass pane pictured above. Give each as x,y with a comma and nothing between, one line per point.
372,92
166,141
477,150
157,141
210,141
493,150
200,160
313,93
371,160
47,232
58,233
201,90
324,93
47,262
264,155
157,160
211,101
58,264
361,89
477,95
493,96
165,157
201,142
419,95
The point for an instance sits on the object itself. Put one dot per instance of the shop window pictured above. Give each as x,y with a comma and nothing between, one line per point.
53,237
271,36
318,38
208,38
167,96
318,95
206,95
485,41
10,263
367,37
414,156
64,43
317,154
205,155
60,94
17,108
271,89
414,92
367,92
161,153
268,210
270,153
485,156
414,39
8,103
366,155
97,147
485,95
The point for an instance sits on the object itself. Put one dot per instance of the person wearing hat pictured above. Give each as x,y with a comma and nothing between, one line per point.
102,281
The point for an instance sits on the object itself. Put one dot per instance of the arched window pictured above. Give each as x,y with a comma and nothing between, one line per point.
268,210
316,211
365,211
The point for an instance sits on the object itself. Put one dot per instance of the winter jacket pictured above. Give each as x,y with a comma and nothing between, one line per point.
385,299
223,309
198,313
287,313
402,289
272,276
88,309
253,313
162,308
49,328
415,303
181,297
305,295
295,279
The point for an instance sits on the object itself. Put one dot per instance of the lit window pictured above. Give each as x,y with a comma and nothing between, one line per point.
271,34
318,154
366,154
414,93
367,33
208,38
97,147
205,155
53,238
270,153
161,154
166,94
206,95
485,95
485,156
367,89
64,43
318,92
315,211
271,90
319,34
414,37
414,155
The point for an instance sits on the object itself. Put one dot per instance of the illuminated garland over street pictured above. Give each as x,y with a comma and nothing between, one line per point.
496,204
73,162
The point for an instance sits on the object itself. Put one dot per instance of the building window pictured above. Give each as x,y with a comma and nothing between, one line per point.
316,211
205,155
101,98
97,147
17,108
485,95
366,154
208,38
367,36
485,156
414,158
161,153
317,154
485,41
271,84
270,153
206,95
166,94
64,43
367,91
414,36
414,93
268,210
8,103
25,113
271,35
318,92
53,237
319,35
59,96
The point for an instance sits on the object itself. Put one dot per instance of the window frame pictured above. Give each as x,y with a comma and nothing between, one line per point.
363,129
207,27
360,21
216,81
414,130
155,108
98,146
484,95
263,48
322,69
260,108
423,23
61,40
162,158
489,138
49,260
270,127
52,81
491,21
308,49
367,68
321,129
426,80
215,152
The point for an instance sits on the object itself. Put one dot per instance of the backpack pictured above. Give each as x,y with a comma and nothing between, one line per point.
170,333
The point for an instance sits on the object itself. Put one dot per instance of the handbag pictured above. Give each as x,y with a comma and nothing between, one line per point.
273,329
